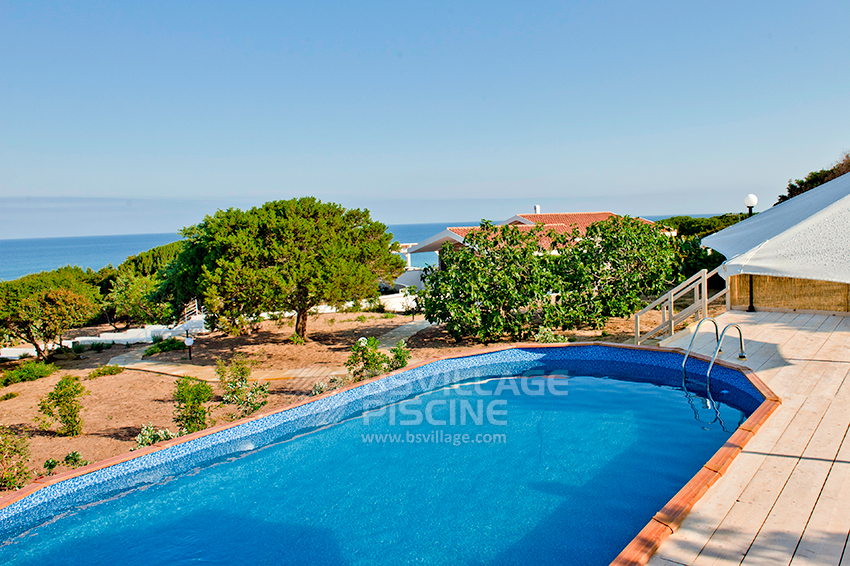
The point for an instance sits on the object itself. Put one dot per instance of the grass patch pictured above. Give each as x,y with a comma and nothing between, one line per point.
105,370
28,371
8,396
165,346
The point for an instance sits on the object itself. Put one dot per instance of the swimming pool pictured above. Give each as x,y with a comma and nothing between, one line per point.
449,462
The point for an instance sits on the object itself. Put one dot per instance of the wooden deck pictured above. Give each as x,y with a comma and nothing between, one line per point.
786,497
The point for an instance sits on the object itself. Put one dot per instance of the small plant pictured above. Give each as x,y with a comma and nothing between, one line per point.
99,346
236,389
319,388
331,321
78,348
28,371
547,336
366,361
50,466
14,455
75,460
571,339
151,435
605,333
157,338
297,340
388,315
190,414
10,395
164,346
63,405
105,370
361,318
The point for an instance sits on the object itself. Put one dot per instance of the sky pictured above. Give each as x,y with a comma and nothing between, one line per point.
138,117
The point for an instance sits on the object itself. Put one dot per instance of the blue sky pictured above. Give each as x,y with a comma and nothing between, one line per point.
420,111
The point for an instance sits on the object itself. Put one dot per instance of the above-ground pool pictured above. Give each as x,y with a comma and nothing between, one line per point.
539,455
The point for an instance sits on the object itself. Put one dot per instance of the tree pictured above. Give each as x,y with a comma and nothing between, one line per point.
284,256
151,261
816,178
39,308
492,285
131,297
606,272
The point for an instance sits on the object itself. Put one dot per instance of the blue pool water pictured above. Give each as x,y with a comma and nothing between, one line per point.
564,469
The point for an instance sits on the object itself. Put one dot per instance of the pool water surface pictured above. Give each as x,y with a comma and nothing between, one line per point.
559,469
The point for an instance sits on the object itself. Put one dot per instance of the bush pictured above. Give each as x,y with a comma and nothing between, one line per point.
78,348
105,370
164,346
157,338
190,414
28,371
319,388
297,340
14,455
151,435
361,318
546,335
50,466
99,346
236,389
75,460
8,396
374,304
366,361
63,405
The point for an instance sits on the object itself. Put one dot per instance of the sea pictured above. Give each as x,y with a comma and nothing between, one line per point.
25,256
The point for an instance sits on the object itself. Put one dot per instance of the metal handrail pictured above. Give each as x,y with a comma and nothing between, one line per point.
742,355
694,337
718,336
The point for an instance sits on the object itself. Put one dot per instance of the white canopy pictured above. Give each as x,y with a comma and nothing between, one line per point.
806,237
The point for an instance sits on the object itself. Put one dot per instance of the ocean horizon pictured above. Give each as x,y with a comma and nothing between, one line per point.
24,256
20,257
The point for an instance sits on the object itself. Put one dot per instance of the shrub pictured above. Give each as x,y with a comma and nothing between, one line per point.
78,348
63,405
75,460
388,315
319,388
8,396
297,340
28,371
164,346
236,389
99,346
157,338
366,361
190,414
14,455
546,335
361,318
151,435
105,370
50,466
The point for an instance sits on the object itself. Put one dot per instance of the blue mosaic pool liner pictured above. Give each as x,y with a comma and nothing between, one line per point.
662,368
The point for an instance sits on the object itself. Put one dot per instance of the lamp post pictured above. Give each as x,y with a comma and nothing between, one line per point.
750,201
189,341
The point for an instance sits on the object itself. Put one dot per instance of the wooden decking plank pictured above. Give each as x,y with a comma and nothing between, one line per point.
783,529
732,539
825,536
710,511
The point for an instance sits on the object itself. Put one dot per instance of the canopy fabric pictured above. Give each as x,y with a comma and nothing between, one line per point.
805,237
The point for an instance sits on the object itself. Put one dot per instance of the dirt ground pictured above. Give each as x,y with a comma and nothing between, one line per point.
116,406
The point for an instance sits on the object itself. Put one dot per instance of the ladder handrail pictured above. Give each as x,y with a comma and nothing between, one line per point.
694,337
742,355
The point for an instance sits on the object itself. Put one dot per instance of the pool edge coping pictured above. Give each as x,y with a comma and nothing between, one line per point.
637,553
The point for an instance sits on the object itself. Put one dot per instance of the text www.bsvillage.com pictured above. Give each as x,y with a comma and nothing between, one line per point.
434,437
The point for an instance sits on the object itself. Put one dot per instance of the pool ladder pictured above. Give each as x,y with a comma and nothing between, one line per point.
718,335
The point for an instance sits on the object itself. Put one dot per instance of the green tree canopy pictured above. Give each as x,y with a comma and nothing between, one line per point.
39,308
607,271
284,256
492,285
816,178
148,263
